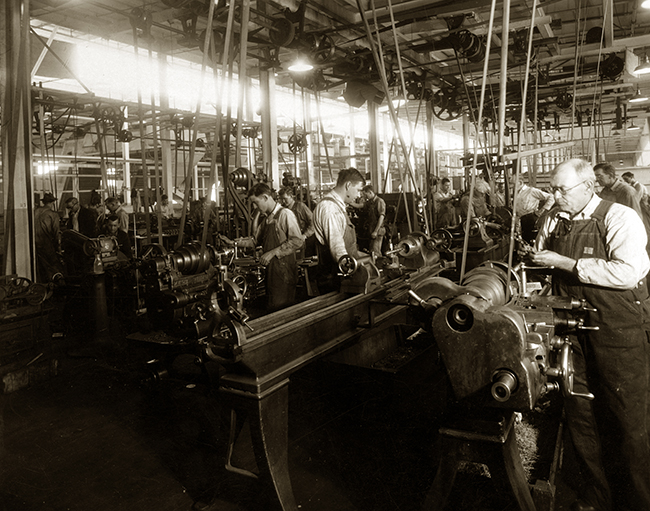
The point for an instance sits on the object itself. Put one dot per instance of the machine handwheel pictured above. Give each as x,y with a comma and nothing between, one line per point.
347,265
36,294
18,285
440,240
296,143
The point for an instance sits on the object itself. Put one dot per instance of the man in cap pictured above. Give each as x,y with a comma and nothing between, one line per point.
47,235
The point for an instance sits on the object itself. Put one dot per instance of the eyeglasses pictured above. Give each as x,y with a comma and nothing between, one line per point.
564,191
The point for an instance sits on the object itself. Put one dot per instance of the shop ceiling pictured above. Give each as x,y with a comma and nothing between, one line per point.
582,76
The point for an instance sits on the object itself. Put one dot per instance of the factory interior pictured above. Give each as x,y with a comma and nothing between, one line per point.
143,359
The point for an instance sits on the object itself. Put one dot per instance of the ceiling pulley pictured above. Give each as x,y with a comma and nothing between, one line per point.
445,105
297,143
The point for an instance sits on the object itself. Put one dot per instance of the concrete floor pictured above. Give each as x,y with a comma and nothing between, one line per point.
101,436
96,438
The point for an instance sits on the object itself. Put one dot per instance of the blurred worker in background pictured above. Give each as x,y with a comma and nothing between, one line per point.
443,200
47,236
88,216
616,190
530,204
279,234
72,208
499,199
304,216
641,189
597,250
166,208
114,207
375,208
112,228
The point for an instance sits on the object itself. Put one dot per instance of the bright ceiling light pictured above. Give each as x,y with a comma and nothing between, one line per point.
645,4
633,127
643,68
638,97
300,65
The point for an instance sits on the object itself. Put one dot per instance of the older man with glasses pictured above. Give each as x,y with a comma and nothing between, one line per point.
597,251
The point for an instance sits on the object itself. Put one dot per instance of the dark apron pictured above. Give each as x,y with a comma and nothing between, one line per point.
614,364
282,272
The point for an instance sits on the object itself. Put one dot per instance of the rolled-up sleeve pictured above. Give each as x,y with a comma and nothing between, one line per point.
329,227
541,195
289,224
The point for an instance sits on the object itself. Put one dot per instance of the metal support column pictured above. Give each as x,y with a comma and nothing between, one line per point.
15,134
269,127
374,145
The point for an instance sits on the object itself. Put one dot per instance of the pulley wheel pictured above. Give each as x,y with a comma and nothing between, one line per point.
321,47
282,32
296,143
444,105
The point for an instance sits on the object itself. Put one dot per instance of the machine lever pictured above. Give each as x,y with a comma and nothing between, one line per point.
415,296
588,395
240,316
430,306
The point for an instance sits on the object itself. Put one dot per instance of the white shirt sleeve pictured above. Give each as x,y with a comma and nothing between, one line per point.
625,242
329,226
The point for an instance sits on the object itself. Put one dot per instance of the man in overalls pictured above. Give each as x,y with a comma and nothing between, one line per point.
335,233
597,250
279,234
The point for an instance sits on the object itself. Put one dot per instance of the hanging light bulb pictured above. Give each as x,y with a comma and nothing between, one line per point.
633,127
645,4
300,65
643,68
638,97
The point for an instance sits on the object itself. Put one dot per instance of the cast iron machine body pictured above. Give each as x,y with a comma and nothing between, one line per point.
258,362
189,292
502,346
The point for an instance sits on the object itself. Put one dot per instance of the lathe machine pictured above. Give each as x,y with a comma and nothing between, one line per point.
504,341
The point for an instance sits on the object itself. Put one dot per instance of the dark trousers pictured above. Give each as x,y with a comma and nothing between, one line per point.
610,433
